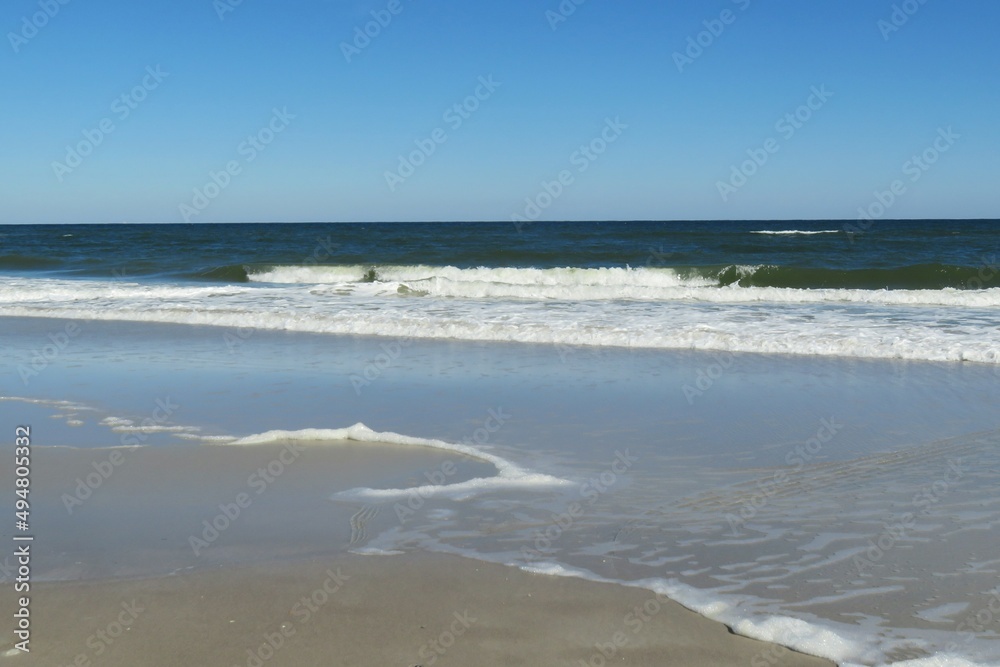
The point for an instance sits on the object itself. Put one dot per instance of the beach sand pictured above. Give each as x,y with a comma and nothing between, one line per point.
280,588
414,609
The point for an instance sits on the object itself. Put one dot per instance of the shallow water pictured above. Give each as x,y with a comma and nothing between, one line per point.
753,488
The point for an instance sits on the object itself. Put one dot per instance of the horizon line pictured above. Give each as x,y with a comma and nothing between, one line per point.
424,222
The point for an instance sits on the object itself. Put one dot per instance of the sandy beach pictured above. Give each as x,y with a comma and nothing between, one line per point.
285,591
415,609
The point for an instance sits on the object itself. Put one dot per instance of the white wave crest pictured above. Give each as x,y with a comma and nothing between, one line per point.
509,475
640,308
565,277
784,232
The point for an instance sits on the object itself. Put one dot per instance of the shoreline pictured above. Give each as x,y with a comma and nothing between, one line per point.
278,587
413,609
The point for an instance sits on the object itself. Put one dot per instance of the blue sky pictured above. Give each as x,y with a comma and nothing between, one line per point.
271,81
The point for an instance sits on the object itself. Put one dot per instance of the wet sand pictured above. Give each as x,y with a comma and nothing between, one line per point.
279,587
415,609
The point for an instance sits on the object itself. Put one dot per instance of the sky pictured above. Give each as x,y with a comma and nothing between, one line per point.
406,110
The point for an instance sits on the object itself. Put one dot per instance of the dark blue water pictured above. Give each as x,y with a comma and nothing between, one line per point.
889,254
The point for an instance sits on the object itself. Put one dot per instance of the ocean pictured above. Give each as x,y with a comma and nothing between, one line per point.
789,427
909,290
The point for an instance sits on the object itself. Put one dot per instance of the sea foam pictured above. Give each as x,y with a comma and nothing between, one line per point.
509,475
637,308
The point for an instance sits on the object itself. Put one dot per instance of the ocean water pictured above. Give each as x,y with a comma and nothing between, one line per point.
906,290
789,427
